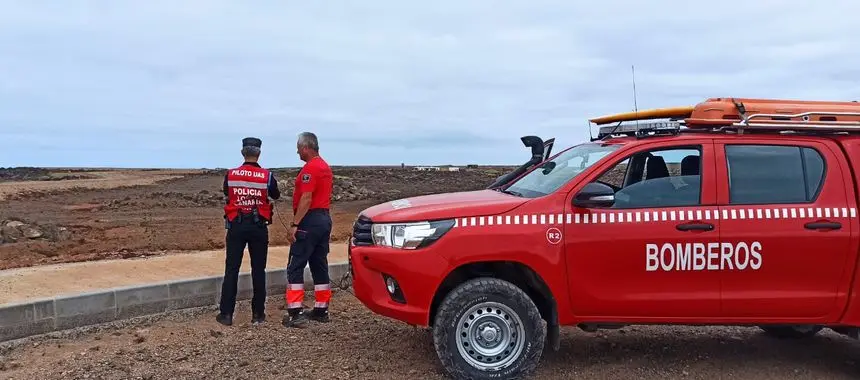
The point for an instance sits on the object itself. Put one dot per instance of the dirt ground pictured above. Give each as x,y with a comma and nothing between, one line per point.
360,345
135,213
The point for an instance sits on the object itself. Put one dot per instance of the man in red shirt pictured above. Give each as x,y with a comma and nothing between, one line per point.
309,234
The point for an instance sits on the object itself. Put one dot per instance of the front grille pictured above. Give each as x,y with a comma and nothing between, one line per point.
361,232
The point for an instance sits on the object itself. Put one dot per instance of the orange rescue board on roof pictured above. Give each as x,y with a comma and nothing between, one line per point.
656,113
724,111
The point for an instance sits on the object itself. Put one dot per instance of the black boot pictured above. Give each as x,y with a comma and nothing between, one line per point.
225,319
319,314
294,318
258,318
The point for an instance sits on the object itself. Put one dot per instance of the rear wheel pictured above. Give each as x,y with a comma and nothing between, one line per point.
792,332
488,328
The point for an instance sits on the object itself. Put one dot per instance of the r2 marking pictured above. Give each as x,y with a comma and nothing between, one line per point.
553,235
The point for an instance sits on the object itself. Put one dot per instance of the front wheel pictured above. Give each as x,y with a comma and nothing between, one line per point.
488,328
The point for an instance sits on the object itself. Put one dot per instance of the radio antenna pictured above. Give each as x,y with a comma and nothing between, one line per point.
635,105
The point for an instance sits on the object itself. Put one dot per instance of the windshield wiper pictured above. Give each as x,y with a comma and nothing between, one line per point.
511,192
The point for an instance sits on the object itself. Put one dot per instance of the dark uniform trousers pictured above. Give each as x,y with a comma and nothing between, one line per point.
240,232
311,248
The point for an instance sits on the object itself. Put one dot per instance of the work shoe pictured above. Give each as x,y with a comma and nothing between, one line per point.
225,319
319,315
294,319
258,319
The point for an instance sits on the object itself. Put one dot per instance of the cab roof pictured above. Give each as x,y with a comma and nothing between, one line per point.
737,115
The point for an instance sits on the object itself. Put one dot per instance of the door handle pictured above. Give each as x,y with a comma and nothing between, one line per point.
823,226
695,227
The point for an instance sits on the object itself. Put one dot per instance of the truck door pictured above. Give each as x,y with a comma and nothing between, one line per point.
645,255
785,227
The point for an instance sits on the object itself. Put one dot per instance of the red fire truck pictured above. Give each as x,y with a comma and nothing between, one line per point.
729,212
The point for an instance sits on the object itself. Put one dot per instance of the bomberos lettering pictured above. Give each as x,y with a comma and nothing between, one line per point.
702,256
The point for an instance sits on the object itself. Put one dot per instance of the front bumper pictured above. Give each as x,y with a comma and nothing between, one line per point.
417,273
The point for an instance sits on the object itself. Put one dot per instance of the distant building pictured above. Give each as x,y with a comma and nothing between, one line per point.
437,168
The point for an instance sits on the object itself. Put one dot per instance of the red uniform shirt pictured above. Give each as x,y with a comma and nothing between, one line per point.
315,177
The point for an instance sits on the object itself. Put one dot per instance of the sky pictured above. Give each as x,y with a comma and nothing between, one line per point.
383,82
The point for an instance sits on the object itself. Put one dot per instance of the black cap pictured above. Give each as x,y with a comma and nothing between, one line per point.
252,141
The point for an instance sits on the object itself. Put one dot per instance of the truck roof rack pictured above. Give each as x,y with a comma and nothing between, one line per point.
739,114
774,114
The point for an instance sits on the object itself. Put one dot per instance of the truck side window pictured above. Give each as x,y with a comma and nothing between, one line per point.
666,177
766,174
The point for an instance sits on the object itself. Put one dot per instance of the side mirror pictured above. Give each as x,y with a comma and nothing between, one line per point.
594,195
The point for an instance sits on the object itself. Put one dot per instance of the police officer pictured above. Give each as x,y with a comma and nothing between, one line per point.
309,234
248,213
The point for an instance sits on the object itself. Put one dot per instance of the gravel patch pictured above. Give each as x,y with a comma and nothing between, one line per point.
358,344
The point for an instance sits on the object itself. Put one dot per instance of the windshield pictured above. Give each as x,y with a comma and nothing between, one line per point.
554,173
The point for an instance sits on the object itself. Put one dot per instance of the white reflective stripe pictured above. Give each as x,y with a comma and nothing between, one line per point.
293,305
322,287
320,304
296,286
729,213
252,185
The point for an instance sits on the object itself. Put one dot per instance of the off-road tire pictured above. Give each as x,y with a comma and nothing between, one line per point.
791,332
500,296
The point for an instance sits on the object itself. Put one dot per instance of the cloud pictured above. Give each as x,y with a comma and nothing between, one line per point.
179,84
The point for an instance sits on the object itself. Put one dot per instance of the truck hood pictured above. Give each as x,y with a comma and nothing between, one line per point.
444,206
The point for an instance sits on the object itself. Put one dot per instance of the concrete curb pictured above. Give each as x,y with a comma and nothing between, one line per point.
65,312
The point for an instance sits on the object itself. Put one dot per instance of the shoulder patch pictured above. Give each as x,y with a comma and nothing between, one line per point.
306,177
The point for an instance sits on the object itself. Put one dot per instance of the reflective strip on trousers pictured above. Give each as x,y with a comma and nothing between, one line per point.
294,305
295,295
321,304
322,294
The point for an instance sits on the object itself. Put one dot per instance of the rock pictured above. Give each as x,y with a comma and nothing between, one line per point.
14,223
63,234
31,232
10,234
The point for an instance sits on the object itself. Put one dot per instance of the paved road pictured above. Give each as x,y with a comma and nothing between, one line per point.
17,285
361,345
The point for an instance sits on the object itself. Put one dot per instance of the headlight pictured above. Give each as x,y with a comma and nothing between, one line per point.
410,235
